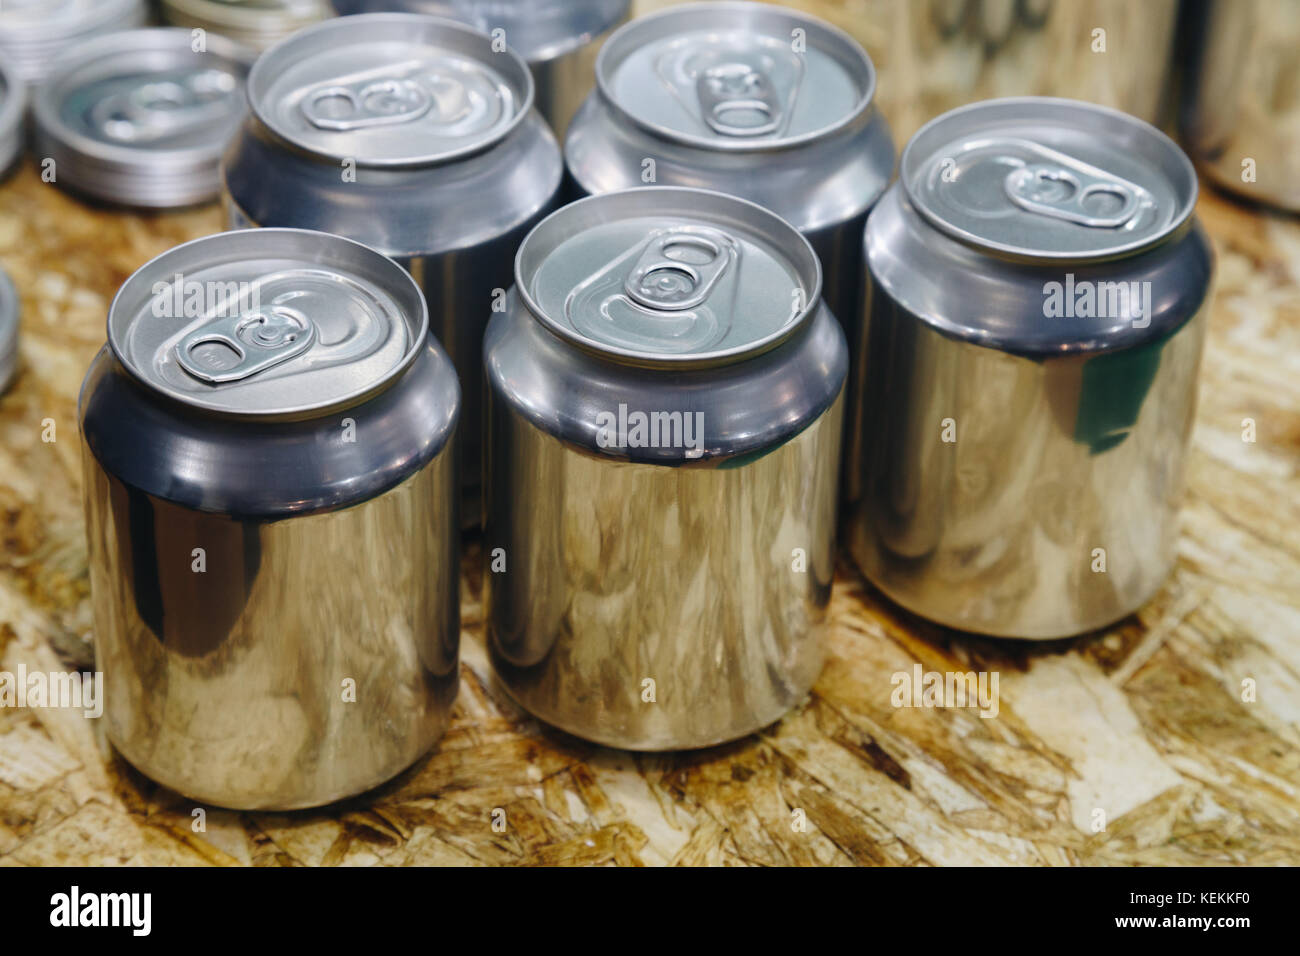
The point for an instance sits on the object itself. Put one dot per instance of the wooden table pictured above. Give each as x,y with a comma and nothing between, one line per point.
1144,723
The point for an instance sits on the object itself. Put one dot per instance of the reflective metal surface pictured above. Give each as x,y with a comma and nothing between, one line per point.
1241,96
256,23
558,38
138,117
936,55
670,594
13,102
275,597
1016,469
453,219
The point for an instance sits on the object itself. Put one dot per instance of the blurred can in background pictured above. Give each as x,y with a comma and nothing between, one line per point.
1240,112
664,401
1038,287
257,24
139,117
413,135
34,32
13,105
270,512
558,38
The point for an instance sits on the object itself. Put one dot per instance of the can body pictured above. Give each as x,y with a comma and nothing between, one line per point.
1240,104
558,38
32,35
454,223
257,25
651,599
1017,468
279,627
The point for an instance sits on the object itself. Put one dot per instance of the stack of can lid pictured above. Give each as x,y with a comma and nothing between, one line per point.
34,32
139,117
258,24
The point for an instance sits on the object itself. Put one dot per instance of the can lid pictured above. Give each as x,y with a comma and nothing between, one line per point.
538,30
33,32
665,277
268,323
8,329
735,76
1048,179
140,117
255,22
390,89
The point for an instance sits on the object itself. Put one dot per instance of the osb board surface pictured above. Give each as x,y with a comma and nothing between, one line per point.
1144,721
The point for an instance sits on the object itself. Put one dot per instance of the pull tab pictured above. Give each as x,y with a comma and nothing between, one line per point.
678,268
737,99
1075,192
164,106
256,340
363,105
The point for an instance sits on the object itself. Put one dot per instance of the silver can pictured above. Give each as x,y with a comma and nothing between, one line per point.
413,135
9,312
1241,96
1038,289
558,38
140,117
34,32
271,516
765,103
664,408
254,23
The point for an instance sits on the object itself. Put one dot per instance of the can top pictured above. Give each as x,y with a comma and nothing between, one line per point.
390,89
143,96
268,323
1048,179
667,277
735,76
32,32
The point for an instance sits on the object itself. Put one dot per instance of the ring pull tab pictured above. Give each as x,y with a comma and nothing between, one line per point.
678,268
164,106
1074,194
365,105
737,99
256,340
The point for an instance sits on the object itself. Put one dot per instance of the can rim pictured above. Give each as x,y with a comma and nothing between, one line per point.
50,123
713,144
525,76
712,359
270,234
908,163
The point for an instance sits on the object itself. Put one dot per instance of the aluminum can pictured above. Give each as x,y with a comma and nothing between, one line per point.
9,312
765,103
413,135
271,516
140,117
1038,290
13,105
257,24
558,38
1241,96
936,55
664,409
34,32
